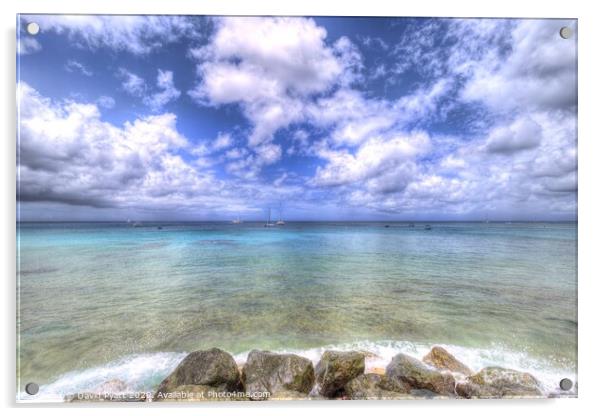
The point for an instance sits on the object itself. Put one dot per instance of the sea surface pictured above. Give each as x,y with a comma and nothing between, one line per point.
99,301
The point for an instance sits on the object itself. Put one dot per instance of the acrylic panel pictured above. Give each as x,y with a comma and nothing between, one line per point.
292,208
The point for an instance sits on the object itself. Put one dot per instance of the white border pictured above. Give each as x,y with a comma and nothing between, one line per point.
590,208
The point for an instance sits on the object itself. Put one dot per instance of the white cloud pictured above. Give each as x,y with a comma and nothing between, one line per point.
353,117
356,118
539,72
565,183
288,52
75,66
530,170
135,34
525,160
519,157
137,87
223,141
453,162
523,167
105,101
236,153
168,92
374,42
556,161
268,153
385,164
67,154
27,45
131,83
422,103
523,133
503,63
269,66
350,59
280,179
247,165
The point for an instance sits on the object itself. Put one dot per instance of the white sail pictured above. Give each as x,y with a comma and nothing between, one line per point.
280,221
269,223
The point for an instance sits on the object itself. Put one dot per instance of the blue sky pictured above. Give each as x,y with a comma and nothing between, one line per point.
201,118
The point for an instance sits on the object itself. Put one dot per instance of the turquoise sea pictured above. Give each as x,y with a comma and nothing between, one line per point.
99,301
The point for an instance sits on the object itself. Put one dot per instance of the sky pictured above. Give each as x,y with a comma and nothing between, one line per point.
326,118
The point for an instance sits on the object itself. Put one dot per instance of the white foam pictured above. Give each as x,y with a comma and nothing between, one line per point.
140,372
143,372
476,358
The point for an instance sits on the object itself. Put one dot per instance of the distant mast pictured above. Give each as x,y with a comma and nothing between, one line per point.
268,223
280,221
237,220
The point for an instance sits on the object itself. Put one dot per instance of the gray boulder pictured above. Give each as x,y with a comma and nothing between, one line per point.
335,369
496,382
371,387
265,371
408,373
439,358
212,368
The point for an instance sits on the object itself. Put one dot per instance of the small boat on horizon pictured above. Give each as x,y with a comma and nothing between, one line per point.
237,220
268,222
427,227
280,221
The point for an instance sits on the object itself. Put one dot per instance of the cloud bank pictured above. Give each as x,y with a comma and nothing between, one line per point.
436,118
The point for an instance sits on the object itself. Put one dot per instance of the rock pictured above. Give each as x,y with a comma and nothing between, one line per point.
370,387
409,373
426,394
113,386
197,393
376,370
495,382
265,371
439,358
335,369
314,394
369,354
211,368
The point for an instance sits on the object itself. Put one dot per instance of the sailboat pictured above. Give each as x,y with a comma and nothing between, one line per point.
237,220
280,221
268,223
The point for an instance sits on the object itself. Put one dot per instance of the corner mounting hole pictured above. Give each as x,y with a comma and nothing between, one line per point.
32,389
566,384
33,28
566,32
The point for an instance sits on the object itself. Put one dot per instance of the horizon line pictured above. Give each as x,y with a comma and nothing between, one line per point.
288,221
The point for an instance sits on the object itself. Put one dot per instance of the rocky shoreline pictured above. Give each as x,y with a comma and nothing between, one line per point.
213,375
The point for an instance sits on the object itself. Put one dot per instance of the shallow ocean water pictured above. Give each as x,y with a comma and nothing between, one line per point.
108,300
